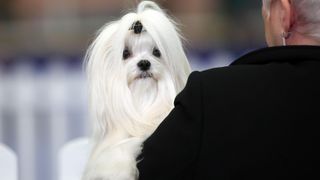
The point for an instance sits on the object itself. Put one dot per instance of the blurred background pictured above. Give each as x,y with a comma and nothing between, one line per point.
43,100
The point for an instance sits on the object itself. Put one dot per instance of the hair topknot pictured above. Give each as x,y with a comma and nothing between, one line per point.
148,5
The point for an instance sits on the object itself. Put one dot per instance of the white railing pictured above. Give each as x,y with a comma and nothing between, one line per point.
41,111
8,164
72,159
71,162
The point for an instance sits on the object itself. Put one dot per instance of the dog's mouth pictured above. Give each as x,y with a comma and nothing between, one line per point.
144,75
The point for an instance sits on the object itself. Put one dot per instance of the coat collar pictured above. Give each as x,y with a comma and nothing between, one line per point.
280,54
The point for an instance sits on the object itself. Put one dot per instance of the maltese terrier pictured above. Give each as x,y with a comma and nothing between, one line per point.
136,66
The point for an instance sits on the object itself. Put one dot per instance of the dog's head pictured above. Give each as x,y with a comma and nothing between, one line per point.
143,48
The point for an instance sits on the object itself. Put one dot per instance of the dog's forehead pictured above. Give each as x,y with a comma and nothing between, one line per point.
143,39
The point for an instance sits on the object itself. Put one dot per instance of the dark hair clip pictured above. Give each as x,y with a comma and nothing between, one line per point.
137,27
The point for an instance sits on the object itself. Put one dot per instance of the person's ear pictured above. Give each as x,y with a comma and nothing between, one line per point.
287,15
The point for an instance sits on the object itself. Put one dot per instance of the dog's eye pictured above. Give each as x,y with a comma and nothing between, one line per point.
156,52
126,54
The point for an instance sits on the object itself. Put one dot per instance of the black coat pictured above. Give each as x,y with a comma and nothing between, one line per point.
256,119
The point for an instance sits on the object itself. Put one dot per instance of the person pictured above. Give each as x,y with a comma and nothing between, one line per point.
255,119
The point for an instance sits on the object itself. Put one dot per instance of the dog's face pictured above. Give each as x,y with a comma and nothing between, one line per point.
142,58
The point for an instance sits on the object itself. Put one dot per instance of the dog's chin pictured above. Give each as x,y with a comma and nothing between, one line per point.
143,77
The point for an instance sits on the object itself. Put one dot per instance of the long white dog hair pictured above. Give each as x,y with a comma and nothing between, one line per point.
124,101
111,101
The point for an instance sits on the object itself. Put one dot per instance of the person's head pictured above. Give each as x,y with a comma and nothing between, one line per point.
292,22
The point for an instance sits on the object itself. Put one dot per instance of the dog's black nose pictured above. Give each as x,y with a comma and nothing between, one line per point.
144,65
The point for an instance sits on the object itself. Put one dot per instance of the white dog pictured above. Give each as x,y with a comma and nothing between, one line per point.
136,66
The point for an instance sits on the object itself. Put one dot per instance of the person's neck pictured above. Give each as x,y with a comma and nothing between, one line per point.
297,38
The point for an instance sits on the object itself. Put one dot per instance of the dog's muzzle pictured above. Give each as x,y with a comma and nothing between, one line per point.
145,74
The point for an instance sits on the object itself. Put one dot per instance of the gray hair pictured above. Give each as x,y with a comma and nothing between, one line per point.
308,16
266,4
